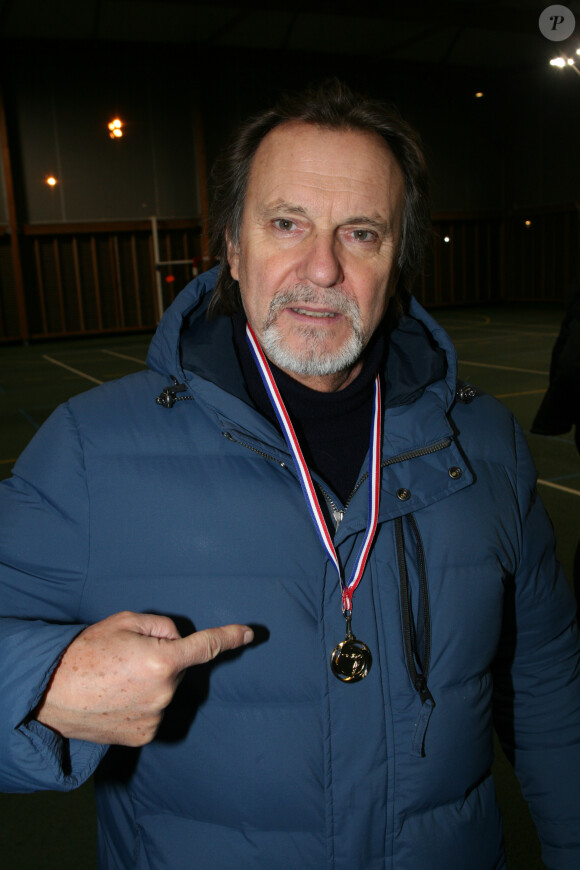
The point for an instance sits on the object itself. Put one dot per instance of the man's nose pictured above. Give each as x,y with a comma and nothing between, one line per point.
320,263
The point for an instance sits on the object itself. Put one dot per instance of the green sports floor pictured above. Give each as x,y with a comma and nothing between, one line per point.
503,350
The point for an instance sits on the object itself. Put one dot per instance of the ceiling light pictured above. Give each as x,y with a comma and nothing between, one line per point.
564,60
51,180
115,128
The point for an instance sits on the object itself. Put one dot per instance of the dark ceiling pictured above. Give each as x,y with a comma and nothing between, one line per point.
465,33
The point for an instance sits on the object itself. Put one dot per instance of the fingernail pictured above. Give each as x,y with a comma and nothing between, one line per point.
248,636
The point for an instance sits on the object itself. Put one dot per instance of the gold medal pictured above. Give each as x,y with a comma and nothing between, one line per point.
351,659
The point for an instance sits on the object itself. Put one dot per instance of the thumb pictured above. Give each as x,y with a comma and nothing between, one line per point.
203,646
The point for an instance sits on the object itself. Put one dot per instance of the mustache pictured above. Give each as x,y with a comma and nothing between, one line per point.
334,298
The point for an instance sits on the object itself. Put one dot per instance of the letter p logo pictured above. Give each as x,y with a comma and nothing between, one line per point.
557,23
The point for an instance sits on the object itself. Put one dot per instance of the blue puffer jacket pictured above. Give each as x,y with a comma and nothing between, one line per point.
264,759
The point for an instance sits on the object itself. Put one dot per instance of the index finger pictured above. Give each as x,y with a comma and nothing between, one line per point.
203,646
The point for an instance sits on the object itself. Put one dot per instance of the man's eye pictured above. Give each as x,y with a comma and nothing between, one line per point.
284,224
363,235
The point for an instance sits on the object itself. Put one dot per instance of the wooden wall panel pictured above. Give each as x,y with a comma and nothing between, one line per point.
85,279
90,278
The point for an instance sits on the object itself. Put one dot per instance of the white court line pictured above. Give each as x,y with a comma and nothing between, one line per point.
521,393
496,333
480,342
502,324
560,487
70,369
517,333
124,356
467,362
467,324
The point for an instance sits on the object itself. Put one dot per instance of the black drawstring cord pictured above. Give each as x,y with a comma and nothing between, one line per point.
425,657
167,398
418,677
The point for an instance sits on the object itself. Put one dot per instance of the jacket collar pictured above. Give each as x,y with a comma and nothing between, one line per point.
420,374
421,357
420,387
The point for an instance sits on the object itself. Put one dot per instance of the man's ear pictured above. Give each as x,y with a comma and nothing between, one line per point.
233,256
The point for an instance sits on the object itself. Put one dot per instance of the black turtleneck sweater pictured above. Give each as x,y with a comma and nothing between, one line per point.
333,429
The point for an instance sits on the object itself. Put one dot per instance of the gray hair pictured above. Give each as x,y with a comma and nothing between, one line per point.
332,105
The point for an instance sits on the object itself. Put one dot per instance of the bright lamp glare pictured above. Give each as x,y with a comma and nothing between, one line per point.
558,61
51,180
115,128
570,62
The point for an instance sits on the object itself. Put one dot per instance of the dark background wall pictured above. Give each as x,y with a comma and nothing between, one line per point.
60,98
517,146
183,74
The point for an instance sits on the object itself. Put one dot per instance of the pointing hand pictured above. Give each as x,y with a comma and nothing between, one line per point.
117,677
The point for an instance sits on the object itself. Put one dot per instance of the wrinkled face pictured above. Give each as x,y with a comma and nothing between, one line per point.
316,258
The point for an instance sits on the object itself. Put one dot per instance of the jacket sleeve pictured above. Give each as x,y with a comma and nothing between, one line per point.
44,535
537,680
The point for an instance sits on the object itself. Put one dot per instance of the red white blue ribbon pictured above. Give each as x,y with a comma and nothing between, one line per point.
348,589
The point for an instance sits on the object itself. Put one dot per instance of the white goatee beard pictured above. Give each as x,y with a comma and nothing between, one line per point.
313,360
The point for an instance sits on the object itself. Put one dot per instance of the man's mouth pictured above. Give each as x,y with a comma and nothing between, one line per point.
308,312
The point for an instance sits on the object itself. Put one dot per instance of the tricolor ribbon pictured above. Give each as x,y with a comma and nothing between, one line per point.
348,589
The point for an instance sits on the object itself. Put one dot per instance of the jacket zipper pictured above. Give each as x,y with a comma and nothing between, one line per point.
254,449
424,596
338,513
419,679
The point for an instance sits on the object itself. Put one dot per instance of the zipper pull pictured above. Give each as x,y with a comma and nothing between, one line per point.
423,691
338,517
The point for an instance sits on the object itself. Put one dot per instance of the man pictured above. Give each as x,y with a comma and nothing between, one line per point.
559,409
403,597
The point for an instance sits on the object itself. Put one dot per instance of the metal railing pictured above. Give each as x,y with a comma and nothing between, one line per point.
86,278
89,278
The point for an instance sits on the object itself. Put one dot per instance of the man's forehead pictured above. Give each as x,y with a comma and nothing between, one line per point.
297,138
357,162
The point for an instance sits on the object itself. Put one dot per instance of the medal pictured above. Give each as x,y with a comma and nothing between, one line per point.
351,659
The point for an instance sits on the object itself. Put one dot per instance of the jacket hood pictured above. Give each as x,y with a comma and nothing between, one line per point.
421,356
164,351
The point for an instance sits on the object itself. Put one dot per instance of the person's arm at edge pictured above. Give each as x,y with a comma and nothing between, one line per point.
537,680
